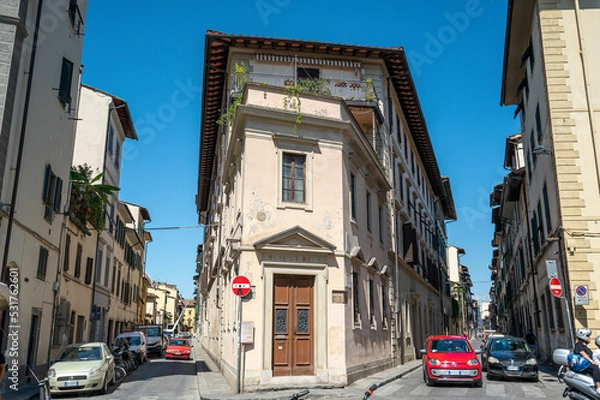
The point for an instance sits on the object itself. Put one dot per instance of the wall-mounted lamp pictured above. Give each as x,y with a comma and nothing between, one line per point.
539,150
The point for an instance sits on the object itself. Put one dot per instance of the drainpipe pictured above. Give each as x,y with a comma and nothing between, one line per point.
13,200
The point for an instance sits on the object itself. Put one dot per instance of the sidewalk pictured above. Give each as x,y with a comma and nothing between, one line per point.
213,386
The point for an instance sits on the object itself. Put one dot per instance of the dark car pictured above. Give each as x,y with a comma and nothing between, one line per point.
486,346
450,359
510,357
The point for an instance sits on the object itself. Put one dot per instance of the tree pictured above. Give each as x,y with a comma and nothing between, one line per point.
89,196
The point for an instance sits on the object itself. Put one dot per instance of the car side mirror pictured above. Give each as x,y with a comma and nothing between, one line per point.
423,351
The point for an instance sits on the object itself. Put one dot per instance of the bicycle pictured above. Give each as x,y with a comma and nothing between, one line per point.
368,393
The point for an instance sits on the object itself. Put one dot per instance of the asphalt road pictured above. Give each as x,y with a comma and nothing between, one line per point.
412,386
157,379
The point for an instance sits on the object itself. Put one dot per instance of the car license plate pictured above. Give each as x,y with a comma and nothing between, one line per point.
71,383
512,368
177,352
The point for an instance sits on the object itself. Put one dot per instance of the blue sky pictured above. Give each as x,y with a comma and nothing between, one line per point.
150,53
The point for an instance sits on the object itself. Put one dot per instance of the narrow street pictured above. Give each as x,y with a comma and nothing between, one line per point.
158,379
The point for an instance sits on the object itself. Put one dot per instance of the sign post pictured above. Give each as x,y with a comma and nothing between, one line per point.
241,287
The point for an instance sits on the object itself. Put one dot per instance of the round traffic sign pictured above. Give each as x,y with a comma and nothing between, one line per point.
555,287
240,286
581,290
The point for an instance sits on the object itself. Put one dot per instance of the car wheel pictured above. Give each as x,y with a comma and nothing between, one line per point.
104,385
428,380
490,377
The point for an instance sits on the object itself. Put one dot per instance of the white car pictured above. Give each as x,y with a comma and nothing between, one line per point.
137,345
83,367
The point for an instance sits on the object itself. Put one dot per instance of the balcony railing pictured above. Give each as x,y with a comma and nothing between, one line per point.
346,89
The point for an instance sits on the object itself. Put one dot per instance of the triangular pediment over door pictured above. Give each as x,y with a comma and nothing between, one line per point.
295,239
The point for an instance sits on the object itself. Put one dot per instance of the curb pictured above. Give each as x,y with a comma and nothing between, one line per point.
398,376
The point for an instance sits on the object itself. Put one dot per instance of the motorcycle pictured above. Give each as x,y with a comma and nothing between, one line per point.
580,385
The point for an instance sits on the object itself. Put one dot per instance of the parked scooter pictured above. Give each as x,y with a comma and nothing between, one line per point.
580,385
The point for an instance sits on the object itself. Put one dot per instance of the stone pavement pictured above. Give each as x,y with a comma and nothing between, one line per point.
213,386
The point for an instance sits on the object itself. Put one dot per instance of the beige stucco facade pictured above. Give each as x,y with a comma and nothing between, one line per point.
166,301
359,246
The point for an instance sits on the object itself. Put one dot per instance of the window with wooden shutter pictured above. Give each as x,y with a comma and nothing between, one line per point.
42,263
67,253
89,266
78,260
66,79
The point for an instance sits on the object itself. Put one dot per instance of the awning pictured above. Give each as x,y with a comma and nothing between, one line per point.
4,296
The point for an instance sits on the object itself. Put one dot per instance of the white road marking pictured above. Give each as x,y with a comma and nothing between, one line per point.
495,390
532,391
388,389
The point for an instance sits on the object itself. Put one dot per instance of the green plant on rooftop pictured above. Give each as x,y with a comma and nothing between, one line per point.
292,100
240,77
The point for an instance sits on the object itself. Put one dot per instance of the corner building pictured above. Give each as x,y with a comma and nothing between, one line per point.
318,182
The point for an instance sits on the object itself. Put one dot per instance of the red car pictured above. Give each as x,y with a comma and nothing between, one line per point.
179,348
450,359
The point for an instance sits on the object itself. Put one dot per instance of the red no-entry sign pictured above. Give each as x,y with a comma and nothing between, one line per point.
240,285
555,287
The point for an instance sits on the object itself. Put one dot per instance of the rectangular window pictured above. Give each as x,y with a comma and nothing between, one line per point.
400,185
89,267
51,193
42,263
294,178
353,196
540,232
384,304
560,324
534,229
67,253
119,283
117,154
398,129
546,208
369,221
66,78
75,16
110,138
371,303
308,73
114,275
106,271
78,260
99,267
380,224
355,300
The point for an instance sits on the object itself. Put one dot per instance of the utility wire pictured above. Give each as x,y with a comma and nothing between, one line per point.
170,228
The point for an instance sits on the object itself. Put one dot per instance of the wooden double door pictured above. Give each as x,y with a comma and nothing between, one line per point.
293,328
